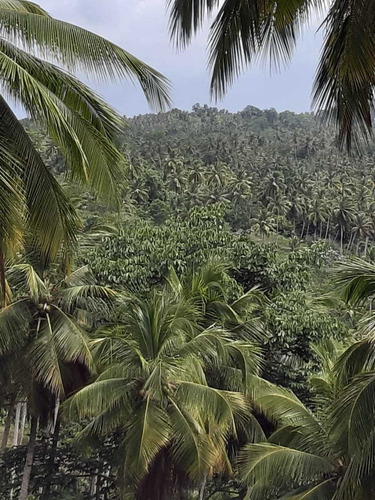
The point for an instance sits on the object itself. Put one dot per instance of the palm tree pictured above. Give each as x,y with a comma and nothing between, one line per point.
317,214
41,330
264,224
361,229
80,123
343,214
279,205
327,454
158,363
242,31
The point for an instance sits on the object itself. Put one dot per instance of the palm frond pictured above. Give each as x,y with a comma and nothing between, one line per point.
14,326
357,279
51,219
220,406
91,155
191,447
353,413
59,341
24,278
148,432
78,49
344,81
276,466
186,17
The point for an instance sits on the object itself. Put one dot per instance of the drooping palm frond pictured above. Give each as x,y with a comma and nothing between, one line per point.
191,447
59,342
148,432
345,77
14,326
357,279
25,279
281,406
50,218
78,49
267,467
353,413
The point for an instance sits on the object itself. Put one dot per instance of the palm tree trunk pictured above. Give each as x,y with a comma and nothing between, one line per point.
366,245
327,230
17,424
29,460
341,238
201,493
51,461
308,230
8,421
2,277
23,422
303,228
321,229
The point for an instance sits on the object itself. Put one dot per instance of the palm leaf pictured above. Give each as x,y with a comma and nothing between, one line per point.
78,49
147,433
190,446
275,466
50,217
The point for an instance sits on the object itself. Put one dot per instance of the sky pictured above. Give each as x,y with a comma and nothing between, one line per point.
140,27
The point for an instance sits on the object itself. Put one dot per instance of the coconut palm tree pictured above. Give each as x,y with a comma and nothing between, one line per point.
241,31
43,343
264,224
156,387
80,123
324,454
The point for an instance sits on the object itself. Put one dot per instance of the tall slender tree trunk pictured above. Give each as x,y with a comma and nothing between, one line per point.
327,229
303,228
29,460
366,245
342,238
51,461
2,276
321,229
308,230
201,493
17,424
8,422
23,422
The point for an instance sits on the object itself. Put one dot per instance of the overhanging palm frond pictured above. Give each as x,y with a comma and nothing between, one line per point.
187,16
51,219
91,155
345,77
78,49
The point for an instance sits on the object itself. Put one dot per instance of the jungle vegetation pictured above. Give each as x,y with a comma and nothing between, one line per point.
209,334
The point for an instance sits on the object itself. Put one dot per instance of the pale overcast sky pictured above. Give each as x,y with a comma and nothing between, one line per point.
140,26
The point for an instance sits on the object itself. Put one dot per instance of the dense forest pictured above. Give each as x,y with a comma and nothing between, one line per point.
215,329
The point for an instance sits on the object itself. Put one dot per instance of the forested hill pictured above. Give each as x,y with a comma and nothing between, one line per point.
278,172
275,173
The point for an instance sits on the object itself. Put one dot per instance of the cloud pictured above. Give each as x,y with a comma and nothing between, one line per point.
140,26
